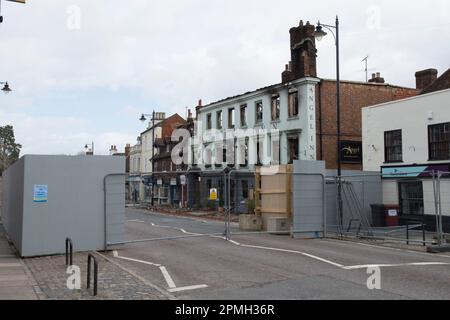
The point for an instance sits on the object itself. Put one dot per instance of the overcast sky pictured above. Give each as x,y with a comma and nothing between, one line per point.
84,70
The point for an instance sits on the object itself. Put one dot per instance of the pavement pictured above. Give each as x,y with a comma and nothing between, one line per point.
260,266
16,282
114,281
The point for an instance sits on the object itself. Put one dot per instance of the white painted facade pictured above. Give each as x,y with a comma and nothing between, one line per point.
135,159
303,125
412,116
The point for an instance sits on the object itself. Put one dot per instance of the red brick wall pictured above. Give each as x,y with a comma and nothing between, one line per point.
354,97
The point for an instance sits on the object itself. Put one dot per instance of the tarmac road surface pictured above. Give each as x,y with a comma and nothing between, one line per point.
269,267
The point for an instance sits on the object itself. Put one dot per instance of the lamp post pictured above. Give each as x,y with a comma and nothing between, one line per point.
6,89
319,34
18,1
86,147
143,119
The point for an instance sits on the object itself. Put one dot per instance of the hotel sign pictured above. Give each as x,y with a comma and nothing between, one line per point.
351,152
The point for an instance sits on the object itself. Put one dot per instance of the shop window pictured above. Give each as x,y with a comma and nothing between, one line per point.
439,142
393,148
244,185
411,197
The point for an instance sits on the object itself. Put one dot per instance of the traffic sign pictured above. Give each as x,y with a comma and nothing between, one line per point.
213,194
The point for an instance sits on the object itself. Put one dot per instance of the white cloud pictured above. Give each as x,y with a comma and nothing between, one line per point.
174,52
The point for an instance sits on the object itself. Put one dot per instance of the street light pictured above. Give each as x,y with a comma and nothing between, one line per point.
86,147
6,89
319,35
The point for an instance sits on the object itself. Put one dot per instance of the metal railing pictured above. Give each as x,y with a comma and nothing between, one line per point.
90,258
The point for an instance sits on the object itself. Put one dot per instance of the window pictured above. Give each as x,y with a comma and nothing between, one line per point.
244,115
293,148
218,159
293,104
275,108
411,197
439,141
244,145
219,120
208,156
276,151
393,151
259,112
231,118
208,121
244,185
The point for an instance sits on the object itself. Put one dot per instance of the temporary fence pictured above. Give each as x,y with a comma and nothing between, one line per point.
325,205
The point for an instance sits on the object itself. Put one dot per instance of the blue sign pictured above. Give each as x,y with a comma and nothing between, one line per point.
417,171
40,194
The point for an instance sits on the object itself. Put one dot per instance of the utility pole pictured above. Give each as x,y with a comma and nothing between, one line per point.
153,160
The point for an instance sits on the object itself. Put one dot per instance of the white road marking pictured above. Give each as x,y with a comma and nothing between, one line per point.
259,247
202,286
167,277
170,283
396,265
139,221
316,257
116,255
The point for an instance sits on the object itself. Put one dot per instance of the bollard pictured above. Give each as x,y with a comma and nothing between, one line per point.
69,252
90,258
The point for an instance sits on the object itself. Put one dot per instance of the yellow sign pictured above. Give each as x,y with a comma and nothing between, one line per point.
213,194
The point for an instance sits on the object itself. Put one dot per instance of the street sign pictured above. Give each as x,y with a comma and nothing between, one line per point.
183,180
213,194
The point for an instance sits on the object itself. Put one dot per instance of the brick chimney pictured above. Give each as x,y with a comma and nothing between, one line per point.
303,52
425,77
376,78
287,74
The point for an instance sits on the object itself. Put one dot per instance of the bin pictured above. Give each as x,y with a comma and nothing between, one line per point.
385,215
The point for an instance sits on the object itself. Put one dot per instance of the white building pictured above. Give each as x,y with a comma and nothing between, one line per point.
148,150
134,178
406,140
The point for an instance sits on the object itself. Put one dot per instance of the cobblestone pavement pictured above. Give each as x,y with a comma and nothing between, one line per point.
114,282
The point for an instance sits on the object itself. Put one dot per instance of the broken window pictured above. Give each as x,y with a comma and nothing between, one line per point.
244,115
231,118
259,112
275,108
293,104
219,120
208,121
293,144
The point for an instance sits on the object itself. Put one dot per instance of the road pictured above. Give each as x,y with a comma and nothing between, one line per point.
270,267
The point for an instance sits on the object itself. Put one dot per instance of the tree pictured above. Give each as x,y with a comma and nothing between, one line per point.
9,149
